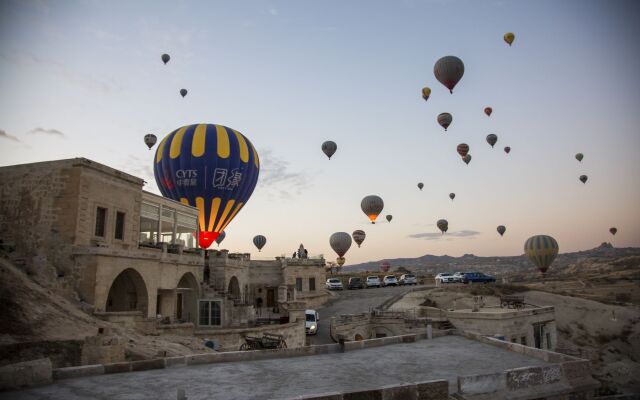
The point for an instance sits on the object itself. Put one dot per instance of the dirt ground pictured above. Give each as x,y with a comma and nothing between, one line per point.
606,334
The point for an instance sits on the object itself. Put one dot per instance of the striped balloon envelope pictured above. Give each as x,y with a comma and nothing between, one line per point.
541,250
211,167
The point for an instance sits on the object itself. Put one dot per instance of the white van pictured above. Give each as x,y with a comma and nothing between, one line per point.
311,322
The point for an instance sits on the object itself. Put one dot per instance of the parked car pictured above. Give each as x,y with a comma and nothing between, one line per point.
458,276
355,283
477,277
445,277
407,279
389,280
334,284
311,322
373,281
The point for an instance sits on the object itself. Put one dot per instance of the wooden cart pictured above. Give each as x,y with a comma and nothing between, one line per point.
516,302
267,341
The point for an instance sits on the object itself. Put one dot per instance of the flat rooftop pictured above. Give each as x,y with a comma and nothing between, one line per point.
445,357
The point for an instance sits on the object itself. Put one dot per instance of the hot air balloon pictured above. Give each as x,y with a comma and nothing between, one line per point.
340,242
426,92
509,37
358,236
420,185
613,230
583,178
150,140
221,237
183,92
372,206
329,148
259,241
448,71
492,139
501,229
444,120
463,149
541,250
452,196
507,149
579,157
340,261
165,58
389,217
443,225
211,167
488,111
467,159
385,267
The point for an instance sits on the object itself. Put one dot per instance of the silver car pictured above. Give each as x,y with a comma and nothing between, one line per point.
408,279
334,284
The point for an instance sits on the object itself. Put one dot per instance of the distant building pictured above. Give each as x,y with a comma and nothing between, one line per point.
84,229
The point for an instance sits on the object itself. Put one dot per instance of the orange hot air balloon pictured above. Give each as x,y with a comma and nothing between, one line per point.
372,206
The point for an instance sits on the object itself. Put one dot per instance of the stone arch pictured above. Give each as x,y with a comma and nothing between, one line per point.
358,337
187,294
233,290
128,292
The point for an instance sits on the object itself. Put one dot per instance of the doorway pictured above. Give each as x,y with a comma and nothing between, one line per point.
178,306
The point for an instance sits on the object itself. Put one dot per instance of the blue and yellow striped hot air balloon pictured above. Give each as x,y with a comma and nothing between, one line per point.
211,167
541,250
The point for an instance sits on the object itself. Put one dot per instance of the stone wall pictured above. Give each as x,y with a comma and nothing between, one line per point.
428,390
62,353
26,374
511,324
232,339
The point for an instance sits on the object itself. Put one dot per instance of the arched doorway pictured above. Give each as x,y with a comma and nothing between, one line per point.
233,291
358,337
128,293
186,298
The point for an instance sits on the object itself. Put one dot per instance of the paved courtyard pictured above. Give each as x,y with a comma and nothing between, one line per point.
441,358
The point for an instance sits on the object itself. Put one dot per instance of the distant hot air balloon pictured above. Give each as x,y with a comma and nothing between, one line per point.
340,242
509,37
259,241
507,149
165,58
211,167
183,92
467,159
541,250
372,206
221,237
501,229
445,120
426,92
443,225
492,139
358,236
329,148
488,111
613,230
583,178
389,217
385,267
452,196
340,261
448,71
420,185
150,140
579,157
463,149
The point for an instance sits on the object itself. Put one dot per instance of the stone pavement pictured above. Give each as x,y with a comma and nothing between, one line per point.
442,358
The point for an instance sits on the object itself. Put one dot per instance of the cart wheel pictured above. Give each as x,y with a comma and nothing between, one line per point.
244,347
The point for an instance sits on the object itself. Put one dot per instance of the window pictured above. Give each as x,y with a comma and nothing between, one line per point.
312,283
514,340
119,234
548,341
167,226
101,221
149,220
299,284
186,230
209,313
523,340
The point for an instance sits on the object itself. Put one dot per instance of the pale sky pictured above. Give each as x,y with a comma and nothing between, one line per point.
85,79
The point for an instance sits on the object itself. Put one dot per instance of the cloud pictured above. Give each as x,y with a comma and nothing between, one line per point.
5,135
53,132
447,236
276,175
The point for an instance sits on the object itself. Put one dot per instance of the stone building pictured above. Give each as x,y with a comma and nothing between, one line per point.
91,233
